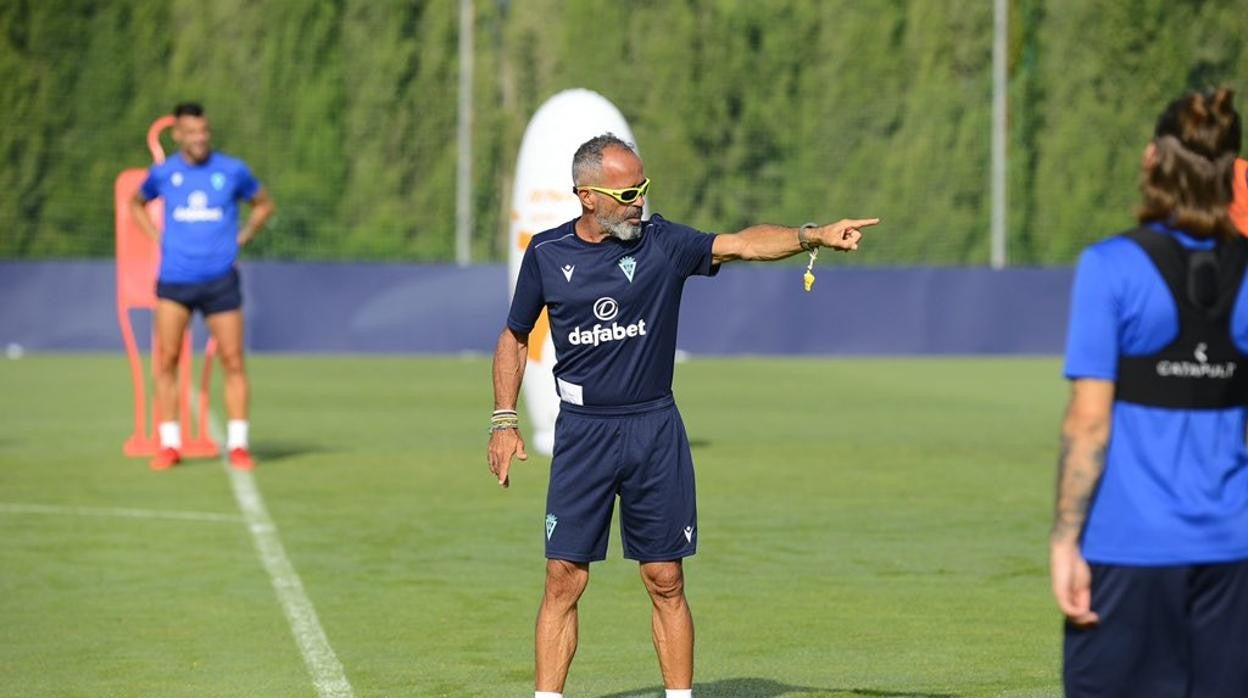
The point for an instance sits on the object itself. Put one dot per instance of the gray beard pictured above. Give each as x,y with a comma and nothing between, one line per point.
621,229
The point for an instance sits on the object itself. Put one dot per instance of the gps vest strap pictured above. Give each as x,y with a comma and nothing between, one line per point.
1201,368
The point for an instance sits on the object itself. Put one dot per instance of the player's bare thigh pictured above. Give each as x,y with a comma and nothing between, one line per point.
227,328
171,320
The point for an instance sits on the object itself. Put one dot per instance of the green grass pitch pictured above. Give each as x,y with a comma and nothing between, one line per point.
868,527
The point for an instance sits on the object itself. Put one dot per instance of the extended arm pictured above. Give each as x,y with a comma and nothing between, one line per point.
510,357
138,212
765,243
1085,437
262,208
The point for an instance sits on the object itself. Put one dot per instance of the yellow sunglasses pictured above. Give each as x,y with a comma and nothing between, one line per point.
624,196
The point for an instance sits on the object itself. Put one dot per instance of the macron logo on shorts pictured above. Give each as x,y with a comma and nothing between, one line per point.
689,533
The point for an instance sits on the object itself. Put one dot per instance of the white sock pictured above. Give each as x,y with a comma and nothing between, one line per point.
546,694
679,693
236,434
170,435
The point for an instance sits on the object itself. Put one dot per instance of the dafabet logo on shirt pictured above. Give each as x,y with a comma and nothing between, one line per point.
606,309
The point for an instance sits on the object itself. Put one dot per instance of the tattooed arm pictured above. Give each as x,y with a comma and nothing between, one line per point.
1085,435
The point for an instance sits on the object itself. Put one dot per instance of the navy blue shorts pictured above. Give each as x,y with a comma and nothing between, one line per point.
217,295
1178,631
640,453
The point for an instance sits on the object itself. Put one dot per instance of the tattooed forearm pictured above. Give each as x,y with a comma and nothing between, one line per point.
1079,468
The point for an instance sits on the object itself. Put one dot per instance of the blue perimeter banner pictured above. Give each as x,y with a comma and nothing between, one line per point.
754,309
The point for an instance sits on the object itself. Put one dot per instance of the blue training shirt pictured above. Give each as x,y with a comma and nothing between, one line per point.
613,307
200,239
1175,485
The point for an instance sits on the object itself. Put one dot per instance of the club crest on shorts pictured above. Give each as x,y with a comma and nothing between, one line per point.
551,522
628,265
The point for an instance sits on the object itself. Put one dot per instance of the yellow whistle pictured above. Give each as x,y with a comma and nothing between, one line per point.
809,280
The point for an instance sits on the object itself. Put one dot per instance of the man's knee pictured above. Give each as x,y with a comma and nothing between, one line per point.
566,581
231,354
232,363
664,580
165,362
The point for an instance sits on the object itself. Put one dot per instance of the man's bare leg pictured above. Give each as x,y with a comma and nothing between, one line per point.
171,320
556,636
227,329
671,622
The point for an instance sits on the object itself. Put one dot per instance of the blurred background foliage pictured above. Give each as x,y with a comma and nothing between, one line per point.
781,111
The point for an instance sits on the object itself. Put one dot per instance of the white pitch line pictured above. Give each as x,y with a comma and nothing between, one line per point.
53,510
328,677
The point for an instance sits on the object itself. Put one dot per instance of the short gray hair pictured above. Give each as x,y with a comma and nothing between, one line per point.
588,159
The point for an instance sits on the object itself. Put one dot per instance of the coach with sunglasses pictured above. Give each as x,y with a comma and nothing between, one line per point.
611,283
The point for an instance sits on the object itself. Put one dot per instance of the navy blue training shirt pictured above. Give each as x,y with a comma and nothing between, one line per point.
613,306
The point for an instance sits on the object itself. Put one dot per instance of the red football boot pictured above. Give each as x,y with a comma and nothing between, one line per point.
240,459
165,459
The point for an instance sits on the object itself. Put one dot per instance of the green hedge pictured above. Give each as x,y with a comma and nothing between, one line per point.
745,111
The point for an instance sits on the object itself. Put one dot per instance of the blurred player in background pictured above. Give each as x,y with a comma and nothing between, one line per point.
1149,547
612,285
201,190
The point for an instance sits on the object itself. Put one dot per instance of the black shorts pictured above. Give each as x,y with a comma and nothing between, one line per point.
218,295
1178,631
640,453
